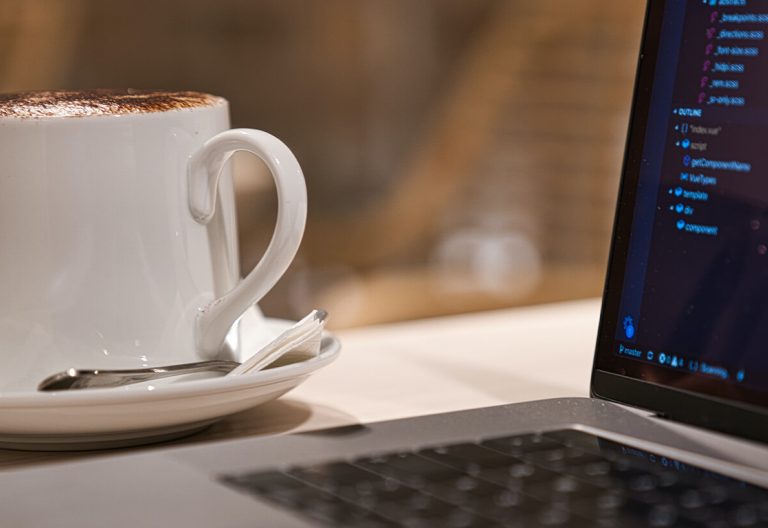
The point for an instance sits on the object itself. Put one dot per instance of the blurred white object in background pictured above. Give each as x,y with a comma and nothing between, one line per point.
498,262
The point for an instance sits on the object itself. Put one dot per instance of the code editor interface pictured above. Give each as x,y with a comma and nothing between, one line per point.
695,296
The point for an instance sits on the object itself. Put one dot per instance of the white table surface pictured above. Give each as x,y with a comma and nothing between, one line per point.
420,367
453,363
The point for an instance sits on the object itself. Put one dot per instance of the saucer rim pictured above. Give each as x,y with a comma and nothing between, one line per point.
134,394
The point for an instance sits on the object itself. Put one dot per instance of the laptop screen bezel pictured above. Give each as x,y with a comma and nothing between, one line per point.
726,415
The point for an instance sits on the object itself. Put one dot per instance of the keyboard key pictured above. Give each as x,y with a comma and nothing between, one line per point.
643,482
564,487
596,472
745,515
334,475
479,495
662,515
418,507
517,476
576,438
368,493
468,456
520,444
561,457
263,482
604,505
409,468
506,506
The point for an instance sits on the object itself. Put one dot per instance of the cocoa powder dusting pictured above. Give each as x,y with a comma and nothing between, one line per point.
84,103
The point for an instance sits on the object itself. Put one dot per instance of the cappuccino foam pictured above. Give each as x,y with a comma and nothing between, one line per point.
82,103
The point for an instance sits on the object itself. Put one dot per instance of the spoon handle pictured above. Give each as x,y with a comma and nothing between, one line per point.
303,337
82,379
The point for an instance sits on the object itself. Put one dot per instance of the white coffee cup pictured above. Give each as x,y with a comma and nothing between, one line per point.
118,240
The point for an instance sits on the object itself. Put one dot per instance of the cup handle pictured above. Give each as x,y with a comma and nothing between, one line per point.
204,169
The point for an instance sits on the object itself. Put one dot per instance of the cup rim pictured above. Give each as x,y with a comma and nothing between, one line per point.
100,103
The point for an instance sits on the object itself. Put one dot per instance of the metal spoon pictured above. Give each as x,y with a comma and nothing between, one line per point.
299,335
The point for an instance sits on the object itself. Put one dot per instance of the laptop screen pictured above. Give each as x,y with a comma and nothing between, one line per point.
688,288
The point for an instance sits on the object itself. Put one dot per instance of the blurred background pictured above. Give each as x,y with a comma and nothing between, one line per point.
459,155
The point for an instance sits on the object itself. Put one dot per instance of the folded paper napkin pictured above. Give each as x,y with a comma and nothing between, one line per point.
298,343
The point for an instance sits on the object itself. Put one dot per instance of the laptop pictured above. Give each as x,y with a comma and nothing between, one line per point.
672,433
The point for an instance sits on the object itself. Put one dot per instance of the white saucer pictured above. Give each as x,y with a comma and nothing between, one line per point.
102,418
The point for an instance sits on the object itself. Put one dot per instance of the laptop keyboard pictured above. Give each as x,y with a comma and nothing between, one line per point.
561,478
